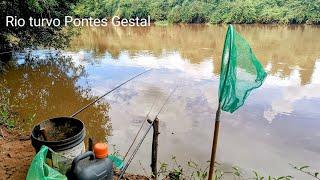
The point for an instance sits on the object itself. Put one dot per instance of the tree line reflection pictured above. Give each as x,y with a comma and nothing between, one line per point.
42,88
283,48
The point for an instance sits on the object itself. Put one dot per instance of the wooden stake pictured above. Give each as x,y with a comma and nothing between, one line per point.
154,153
214,143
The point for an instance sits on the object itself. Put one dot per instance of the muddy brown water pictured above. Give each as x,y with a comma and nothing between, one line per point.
279,123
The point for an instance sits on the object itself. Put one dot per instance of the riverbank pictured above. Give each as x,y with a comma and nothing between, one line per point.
196,11
17,153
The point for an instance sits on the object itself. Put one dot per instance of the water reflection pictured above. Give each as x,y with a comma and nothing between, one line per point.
186,123
47,86
283,48
277,125
293,91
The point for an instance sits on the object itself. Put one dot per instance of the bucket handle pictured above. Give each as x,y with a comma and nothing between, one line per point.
80,157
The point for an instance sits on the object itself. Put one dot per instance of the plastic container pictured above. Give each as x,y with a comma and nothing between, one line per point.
101,150
87,167
64,135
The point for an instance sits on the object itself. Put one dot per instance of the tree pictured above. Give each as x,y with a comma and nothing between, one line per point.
27,36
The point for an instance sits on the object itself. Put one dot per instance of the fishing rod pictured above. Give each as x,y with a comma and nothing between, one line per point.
145,134
86,106
135,138
42,129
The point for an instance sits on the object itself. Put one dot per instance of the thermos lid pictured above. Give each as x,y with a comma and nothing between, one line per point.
100,150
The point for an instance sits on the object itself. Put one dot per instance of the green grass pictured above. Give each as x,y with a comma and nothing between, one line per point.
6,116
192,170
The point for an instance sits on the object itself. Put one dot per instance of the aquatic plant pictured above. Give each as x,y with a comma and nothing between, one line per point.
306,170
195,171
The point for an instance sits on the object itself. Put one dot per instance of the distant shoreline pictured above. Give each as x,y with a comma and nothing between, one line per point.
165,23
214,12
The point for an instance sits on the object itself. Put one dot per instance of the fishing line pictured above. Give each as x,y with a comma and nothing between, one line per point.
135,138
85,107
144,136
134,152
165,102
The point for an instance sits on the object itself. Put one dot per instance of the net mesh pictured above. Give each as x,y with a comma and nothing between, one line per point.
241,72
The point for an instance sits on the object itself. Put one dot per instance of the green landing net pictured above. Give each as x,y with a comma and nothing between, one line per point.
241,72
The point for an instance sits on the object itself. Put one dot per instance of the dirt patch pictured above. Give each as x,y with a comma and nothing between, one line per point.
16,154
129,176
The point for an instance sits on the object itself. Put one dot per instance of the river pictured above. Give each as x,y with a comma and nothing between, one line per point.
278,124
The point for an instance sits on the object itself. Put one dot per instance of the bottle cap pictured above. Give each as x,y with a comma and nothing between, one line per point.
100,150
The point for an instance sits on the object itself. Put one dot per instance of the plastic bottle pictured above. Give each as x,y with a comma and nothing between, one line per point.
92,166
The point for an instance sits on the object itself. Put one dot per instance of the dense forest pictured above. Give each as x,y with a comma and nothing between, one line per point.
171,11
206,11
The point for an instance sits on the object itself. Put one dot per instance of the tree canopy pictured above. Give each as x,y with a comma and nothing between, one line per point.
26,36
173,11
203,11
